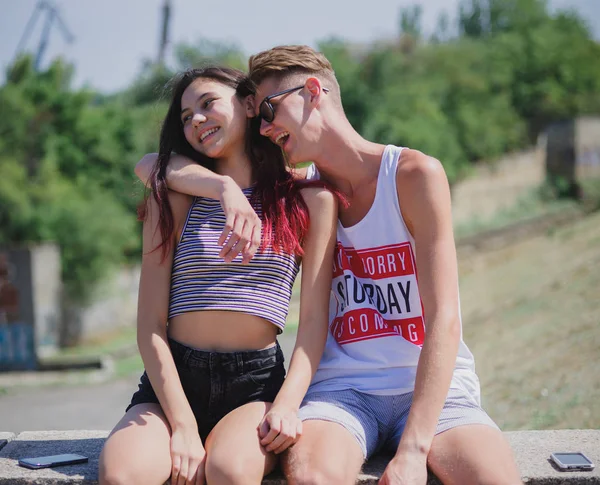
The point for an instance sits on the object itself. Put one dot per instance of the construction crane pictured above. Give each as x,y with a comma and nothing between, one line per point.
164,38
52,18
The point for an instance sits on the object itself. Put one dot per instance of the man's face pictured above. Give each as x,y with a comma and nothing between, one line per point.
295,124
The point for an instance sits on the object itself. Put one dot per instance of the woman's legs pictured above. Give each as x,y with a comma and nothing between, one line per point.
138,448
234,453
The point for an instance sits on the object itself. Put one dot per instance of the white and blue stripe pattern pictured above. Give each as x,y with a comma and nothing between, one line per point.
377,421
201,280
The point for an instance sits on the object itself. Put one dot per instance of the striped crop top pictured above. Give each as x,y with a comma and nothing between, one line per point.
201,280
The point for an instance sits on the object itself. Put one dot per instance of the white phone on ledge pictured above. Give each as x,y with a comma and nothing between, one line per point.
572,461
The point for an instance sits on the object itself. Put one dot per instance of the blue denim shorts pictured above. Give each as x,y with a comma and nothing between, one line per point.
377,422
216,383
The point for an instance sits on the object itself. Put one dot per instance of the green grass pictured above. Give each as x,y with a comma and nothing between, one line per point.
533,204
120,346
108,344
531,313
129,365
536,203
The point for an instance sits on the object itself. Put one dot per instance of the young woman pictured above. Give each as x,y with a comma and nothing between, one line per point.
213,406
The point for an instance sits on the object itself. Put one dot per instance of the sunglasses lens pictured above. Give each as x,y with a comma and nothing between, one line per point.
266,112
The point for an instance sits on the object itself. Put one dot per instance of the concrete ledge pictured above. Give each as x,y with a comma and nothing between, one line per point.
5,438
532,450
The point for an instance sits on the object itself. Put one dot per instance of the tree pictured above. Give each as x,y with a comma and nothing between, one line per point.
67,173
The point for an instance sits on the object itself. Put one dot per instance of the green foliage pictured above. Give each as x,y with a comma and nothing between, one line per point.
513,69
66,173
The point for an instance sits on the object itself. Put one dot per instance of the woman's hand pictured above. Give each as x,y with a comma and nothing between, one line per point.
280,428
188,458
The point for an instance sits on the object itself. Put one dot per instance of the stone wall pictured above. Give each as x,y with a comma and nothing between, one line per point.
532,451
112,306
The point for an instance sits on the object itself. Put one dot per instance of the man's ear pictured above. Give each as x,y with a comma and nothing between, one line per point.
249,104
315,88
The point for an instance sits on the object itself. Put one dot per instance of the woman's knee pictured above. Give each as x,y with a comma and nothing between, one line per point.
119,466
231,469
127,473
115,472
117,475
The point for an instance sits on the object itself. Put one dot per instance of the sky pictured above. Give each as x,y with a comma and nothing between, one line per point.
113,37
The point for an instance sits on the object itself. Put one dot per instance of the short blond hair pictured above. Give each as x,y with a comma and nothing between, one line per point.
292,61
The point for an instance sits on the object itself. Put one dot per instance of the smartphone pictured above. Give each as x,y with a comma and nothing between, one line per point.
51,461
572,461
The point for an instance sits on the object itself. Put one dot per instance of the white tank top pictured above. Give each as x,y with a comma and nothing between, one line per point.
376,324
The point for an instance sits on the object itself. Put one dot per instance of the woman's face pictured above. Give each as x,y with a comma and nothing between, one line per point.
214,118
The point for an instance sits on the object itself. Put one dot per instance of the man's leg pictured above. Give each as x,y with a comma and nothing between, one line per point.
473,454
326,454
339,431
468,447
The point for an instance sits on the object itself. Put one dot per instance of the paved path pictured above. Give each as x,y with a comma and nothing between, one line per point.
93,406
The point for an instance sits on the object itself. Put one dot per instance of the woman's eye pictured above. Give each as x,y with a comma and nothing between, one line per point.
207,102
185,119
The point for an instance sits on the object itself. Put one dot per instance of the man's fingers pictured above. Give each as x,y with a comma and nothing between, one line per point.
241,244
234,237
230,219
255,240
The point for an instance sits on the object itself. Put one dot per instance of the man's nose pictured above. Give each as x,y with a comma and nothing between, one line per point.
265,127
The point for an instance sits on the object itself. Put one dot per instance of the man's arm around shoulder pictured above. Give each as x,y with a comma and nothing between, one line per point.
242,232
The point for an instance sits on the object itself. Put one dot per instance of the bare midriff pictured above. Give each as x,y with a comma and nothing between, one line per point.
222,331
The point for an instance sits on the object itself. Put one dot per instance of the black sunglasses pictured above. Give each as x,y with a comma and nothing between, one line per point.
266,110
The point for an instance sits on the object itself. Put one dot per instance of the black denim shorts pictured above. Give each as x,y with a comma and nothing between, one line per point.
216,383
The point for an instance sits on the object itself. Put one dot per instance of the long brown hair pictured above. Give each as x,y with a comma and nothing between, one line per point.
284,212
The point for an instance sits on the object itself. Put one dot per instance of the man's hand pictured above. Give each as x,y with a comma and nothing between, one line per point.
242,232
405,469
279,429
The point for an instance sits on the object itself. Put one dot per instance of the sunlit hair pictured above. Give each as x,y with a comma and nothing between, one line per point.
284,212
292,62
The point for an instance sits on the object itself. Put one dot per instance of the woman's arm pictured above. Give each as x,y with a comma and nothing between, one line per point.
186,448
242,232
284,428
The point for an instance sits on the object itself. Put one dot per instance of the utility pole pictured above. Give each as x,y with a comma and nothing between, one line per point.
164,38
52,17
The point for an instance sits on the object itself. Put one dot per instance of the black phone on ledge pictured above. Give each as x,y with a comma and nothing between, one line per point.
52,461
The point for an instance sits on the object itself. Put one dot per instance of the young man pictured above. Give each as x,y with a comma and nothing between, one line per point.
395,372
